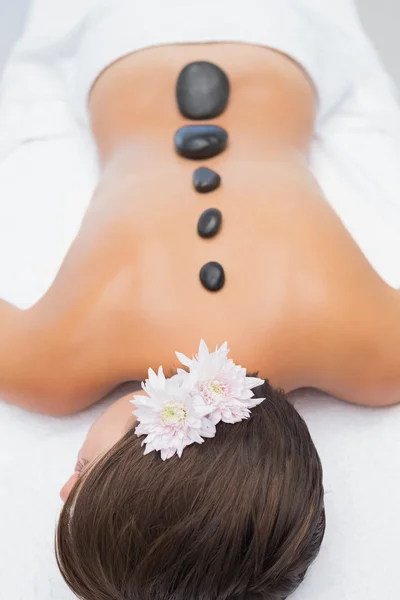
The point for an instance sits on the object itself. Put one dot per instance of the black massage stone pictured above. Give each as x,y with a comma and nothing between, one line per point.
205,180
212,276
202,91
209,223
200,141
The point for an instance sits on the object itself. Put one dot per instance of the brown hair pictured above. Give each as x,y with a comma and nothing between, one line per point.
238,517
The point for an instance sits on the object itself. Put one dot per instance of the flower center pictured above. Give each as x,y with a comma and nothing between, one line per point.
216,387
174,413
212,391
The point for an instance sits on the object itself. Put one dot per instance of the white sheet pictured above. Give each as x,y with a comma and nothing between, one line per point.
45,185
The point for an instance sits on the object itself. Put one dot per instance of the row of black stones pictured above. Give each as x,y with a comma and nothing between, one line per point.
202,92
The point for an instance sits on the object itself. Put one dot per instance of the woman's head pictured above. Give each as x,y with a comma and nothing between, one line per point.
240,516
105,432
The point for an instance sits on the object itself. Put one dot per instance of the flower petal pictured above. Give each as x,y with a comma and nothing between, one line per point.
252,382
183,359
203,350
246,394
167,453
161,378
153,379
255,402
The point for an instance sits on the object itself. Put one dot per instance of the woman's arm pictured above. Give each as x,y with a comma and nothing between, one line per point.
10,339
32,375
14,351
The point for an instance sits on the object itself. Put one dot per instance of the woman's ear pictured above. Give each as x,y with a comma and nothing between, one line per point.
66,490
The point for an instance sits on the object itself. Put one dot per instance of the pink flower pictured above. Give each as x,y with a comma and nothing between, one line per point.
185,409
224,386
171,415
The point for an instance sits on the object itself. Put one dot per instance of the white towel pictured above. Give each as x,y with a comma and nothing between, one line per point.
47,173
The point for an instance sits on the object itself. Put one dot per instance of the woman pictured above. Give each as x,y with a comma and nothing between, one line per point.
240,515
300,304
281,279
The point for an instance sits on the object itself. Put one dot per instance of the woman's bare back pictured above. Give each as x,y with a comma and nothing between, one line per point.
301,305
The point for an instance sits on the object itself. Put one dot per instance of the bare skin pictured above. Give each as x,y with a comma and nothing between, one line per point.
301,304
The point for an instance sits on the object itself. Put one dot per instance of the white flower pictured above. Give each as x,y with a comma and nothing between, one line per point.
171,415
224,386
184,409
